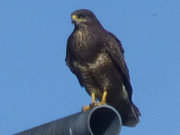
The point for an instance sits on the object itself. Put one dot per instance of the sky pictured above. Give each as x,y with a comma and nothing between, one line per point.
37,87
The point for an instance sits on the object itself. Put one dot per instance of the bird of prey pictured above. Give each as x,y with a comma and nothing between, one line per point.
96,57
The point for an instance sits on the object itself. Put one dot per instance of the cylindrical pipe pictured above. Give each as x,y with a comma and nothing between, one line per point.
101,120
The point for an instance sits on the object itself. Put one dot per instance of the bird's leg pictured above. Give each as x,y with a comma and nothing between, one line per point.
94,103
103,101
93,96
87,107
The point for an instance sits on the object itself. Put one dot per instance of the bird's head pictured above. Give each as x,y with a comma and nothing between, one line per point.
83,17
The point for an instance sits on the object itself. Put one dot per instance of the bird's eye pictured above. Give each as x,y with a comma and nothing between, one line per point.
81,16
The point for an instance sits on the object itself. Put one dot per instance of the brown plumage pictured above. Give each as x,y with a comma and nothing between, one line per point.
96,57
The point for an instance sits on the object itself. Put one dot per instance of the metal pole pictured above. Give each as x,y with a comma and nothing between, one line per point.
101,120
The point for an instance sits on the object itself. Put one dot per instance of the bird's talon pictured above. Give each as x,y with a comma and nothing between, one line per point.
85,108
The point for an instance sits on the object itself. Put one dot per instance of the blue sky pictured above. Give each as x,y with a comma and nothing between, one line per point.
37,87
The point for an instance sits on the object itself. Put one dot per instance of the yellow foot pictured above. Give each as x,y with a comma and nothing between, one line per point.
90,106
94,103
85,108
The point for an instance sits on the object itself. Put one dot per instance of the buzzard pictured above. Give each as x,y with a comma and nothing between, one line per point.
96,57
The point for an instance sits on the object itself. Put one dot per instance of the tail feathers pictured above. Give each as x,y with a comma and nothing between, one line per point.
130,115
